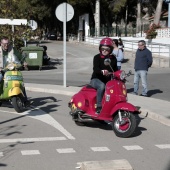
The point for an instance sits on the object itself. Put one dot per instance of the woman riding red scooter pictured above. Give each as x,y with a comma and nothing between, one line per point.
114,105
100,74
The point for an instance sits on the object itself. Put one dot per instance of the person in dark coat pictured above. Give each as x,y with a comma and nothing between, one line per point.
143,61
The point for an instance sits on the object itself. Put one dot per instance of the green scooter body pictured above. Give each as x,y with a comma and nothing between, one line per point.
11,85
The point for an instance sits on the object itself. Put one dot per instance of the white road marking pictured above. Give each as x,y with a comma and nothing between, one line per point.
45,139
30,152
72,54
1,154
100,149
37,113
165,146
133,147
66,150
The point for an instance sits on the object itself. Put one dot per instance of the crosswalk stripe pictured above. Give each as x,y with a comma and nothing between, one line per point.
165,146
30,152
100,149
133,147
66,150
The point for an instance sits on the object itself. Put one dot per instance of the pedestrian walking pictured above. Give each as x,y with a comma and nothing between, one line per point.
143,61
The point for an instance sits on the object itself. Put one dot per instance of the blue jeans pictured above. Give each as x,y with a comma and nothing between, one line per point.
143,75
119,67
100,87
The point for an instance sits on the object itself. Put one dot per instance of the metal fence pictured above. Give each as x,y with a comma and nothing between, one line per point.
161,52
114,31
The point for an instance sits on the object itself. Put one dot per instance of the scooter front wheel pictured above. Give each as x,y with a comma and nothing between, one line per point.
126,127
17,103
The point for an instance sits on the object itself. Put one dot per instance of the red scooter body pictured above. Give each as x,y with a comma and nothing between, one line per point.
114,102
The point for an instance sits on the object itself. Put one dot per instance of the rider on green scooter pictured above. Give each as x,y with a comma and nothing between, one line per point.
9,54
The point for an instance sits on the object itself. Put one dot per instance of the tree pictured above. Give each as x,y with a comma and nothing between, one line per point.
158,12
138,20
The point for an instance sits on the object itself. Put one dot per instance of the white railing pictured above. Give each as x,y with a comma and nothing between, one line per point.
160,51
163,32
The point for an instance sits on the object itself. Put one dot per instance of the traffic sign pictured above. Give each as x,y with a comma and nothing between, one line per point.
33,24
13,21
60,12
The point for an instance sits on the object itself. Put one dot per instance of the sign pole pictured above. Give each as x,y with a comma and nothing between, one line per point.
64,12
64,42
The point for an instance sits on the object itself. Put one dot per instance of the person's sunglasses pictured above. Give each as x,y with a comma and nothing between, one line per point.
5,43
105,49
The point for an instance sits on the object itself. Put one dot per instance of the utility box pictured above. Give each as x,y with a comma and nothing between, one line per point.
33,56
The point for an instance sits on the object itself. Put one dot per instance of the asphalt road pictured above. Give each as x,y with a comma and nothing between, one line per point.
79,69
45,137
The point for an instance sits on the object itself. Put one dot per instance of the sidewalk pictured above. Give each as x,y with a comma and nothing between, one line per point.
155,109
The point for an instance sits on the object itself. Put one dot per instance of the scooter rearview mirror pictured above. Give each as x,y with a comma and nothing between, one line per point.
107,61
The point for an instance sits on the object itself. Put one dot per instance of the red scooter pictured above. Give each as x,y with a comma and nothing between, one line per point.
115,107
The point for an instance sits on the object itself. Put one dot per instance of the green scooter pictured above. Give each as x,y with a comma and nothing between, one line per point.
12,87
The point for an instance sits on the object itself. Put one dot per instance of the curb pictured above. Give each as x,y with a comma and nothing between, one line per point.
155,116
122,164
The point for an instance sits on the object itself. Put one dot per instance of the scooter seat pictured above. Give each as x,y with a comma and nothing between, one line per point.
88,86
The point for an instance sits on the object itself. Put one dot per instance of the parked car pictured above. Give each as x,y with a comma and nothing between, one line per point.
52,36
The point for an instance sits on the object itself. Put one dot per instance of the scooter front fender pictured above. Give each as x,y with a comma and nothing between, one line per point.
15,91
124,106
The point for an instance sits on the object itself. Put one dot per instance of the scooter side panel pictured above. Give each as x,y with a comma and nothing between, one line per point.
85,100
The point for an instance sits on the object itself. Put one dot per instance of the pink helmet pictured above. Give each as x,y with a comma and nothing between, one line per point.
106,42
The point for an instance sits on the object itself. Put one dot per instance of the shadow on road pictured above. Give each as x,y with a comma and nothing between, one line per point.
139,129
2,165
150,92
154,91
46,104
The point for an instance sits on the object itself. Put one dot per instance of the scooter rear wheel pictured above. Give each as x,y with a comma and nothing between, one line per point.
126,127
17,103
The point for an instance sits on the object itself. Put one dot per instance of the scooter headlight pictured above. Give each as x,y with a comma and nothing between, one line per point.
10,66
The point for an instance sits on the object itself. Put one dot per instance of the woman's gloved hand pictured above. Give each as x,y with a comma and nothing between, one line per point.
105,72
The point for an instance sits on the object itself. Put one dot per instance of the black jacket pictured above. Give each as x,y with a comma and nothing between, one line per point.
98,66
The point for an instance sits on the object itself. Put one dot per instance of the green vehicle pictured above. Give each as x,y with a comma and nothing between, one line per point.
12,87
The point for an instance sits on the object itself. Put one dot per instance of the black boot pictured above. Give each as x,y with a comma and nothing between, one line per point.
98,110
